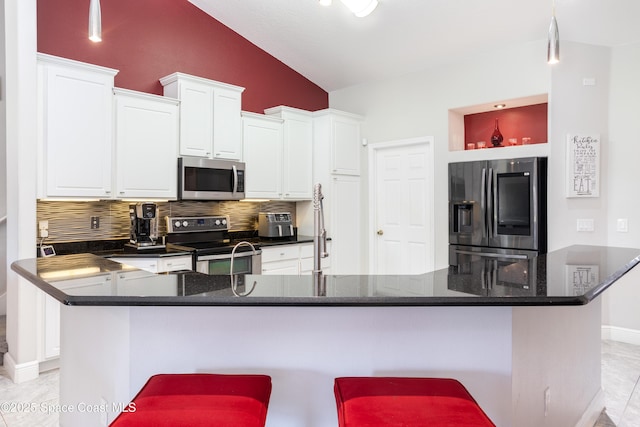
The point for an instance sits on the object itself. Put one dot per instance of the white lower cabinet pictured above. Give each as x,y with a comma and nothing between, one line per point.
138,283
157,264
294,259
49,322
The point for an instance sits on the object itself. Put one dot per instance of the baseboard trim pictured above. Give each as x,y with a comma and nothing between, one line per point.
20,373
593,411
616,333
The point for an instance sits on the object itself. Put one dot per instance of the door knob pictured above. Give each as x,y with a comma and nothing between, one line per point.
380,233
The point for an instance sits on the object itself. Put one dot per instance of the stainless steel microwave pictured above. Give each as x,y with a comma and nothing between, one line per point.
208,179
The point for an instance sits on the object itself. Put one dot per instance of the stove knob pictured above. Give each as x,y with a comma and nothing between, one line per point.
177,224
185,223
224,222
217,222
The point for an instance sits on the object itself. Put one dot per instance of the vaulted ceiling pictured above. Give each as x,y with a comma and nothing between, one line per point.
335,49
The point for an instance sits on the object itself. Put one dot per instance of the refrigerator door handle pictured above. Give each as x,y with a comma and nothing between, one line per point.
490,204
483,201
493,255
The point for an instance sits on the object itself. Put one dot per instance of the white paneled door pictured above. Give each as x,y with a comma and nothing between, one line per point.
401,198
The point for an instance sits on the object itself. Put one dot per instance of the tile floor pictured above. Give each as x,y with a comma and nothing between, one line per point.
620,381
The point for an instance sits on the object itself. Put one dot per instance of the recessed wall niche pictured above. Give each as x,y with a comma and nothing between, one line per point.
522,121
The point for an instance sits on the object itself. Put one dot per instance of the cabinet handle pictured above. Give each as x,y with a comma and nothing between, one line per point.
380,233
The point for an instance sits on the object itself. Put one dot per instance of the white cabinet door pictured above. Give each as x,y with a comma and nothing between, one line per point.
306,259
297,152
227,124
345,148
262,137
157,264
146,145
196,119
337,142
50,325
345,225
75,132
282,259
210,121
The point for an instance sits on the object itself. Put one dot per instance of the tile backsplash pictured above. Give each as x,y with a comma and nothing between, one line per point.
71,221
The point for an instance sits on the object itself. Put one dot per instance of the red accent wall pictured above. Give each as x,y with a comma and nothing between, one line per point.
149,39
529,121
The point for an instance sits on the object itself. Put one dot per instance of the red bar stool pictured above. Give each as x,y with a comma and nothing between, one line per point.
396,401
199,400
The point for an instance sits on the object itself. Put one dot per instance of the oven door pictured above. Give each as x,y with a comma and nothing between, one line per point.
243,263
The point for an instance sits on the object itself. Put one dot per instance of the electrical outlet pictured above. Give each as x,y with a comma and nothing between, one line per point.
623,225
95,222
43,227
547,401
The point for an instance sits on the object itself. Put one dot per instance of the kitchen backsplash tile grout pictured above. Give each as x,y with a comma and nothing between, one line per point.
70,221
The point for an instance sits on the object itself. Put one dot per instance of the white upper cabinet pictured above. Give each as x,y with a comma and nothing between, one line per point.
210,121
146,145
75,117
297,152
262,140
338,134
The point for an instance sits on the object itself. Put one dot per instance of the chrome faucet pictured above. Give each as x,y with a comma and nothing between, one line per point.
234,277
319,241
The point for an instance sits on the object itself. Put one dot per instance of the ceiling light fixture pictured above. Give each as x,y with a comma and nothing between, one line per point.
553,46
95,21
499,106
361,8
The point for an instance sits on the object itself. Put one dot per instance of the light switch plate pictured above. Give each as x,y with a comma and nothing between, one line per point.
585,224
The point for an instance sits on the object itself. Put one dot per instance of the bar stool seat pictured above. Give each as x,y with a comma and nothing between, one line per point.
400,401
198,400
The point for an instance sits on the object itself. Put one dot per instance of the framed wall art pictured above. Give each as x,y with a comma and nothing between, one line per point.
583,165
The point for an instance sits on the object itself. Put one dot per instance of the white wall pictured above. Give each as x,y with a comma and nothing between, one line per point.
21,112
3,166
620,309
417,104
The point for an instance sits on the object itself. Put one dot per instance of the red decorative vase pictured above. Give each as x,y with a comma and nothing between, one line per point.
496,137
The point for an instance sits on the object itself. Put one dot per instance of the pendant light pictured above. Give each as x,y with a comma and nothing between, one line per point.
95,21
553,46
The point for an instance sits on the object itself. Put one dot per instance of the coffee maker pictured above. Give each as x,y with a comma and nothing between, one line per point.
144,226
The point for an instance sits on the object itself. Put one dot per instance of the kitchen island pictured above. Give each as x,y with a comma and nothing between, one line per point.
527,349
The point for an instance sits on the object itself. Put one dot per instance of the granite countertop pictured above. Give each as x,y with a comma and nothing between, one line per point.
116,247
571,276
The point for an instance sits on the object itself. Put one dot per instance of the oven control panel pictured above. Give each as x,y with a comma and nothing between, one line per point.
200,223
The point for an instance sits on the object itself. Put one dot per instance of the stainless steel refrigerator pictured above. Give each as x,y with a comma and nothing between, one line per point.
498,213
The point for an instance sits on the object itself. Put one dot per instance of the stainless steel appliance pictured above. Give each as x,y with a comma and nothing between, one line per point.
144,226
275,224
497,209
206,237
207,179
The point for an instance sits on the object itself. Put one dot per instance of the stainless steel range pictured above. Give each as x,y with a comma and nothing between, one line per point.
208,239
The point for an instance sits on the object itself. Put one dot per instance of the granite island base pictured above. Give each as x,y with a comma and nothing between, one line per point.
506,356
